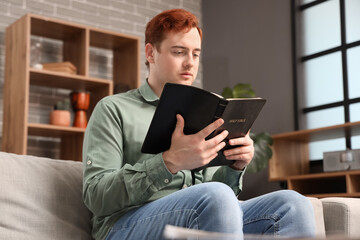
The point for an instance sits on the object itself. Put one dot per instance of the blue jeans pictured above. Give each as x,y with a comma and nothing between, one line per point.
214,207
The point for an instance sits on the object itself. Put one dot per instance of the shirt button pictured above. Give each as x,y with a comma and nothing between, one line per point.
166,180
184,186
88,162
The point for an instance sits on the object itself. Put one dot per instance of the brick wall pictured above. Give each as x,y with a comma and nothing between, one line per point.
124,16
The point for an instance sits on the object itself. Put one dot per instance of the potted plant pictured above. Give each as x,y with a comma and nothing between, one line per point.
61,114
263,140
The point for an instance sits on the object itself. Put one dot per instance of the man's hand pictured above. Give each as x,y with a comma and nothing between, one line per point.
242,154
193,151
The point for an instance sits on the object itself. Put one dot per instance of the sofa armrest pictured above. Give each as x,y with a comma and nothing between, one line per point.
319,216
342,216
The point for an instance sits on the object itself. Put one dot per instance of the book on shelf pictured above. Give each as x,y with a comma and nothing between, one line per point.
199,108
64,67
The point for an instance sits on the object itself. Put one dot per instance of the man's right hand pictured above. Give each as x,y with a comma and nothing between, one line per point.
193,151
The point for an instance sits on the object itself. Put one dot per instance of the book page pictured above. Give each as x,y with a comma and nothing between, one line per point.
174,232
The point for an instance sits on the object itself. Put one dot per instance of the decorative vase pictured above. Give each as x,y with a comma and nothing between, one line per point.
35,55
80,101
60,117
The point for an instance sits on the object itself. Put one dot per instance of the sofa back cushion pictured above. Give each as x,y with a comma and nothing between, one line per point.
342,216
41,198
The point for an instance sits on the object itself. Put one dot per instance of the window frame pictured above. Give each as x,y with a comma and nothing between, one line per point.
298,59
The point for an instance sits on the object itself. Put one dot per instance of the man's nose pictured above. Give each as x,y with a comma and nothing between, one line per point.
189,61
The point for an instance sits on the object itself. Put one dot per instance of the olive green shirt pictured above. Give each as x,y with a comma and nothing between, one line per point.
117,176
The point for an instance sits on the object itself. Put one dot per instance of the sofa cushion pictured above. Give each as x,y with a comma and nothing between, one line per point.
41,198
342,216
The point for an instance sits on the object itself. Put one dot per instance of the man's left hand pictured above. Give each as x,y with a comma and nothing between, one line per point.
242,154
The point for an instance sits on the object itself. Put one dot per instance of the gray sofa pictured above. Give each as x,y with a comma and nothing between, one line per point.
40,198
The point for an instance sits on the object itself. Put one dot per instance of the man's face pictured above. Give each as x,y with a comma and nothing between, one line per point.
177,60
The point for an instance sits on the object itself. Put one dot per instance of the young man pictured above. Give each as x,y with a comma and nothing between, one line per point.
134,195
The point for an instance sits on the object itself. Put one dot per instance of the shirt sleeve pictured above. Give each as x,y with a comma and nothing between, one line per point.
111,185
231,177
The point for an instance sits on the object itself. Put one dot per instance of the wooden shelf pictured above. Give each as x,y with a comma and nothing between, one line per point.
48,78
76,42
290,163
324,133
324,175
48,130
53,28
355,195
108,40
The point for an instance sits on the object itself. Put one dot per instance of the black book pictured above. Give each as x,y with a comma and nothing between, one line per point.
199,108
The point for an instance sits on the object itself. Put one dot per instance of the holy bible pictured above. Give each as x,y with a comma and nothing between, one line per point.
199,108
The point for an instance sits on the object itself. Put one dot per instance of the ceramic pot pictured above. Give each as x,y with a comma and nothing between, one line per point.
60,117
80,101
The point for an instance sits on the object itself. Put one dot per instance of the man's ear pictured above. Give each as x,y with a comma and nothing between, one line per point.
149,52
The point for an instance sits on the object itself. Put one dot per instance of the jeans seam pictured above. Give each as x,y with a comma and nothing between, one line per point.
273,217
123,227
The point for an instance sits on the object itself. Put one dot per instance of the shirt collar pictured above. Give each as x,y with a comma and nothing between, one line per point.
147,93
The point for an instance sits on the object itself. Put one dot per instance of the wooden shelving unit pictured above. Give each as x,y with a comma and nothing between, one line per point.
290,163
77,40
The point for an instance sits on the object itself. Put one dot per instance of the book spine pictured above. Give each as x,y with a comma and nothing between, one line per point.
220,108
218,114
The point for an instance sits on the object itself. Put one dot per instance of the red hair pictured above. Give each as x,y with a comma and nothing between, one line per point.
174,20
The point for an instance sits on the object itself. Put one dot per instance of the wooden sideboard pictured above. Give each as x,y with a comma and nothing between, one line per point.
290,163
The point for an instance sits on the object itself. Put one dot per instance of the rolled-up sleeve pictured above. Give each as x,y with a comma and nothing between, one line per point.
110,184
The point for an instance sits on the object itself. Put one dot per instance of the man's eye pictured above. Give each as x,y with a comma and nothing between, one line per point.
178,52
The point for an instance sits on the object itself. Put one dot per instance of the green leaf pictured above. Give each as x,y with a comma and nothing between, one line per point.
263,151
63,105
227,93
243,90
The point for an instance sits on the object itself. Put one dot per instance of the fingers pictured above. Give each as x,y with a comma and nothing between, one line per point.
241,141
212,146
242,152
219,138
210,128
242,158
216,143
220,145
180,123
246,145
